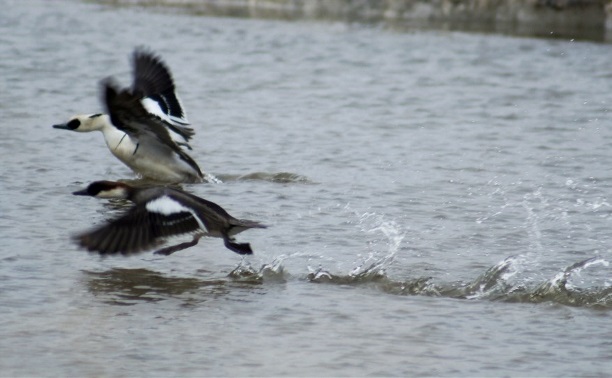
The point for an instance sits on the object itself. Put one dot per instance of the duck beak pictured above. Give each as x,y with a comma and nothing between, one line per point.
82,192
62,126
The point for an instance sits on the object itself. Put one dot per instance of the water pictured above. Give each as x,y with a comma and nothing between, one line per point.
438,201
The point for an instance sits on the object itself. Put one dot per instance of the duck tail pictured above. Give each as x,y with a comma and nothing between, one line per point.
245,224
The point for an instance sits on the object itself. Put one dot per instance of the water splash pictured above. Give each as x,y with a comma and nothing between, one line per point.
273,272
132,286
559,288
495,281
374,264
531,203
494,285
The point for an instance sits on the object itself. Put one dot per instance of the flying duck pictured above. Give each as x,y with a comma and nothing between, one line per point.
145,126
159,213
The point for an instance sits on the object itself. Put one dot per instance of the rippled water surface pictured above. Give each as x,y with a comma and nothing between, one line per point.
438,201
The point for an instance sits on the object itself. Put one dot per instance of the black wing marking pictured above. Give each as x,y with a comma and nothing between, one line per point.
138,230
126,111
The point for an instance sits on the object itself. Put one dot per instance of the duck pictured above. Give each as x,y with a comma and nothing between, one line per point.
157,213
145,126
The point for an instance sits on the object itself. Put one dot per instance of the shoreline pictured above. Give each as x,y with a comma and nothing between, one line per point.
570,19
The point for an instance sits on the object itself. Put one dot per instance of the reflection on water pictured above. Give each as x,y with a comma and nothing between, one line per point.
119,286
129,286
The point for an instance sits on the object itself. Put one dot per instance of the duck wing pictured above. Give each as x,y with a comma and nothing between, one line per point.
141,228
153,82
152,79
129,115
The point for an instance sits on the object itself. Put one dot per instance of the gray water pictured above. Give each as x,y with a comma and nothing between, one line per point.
438,201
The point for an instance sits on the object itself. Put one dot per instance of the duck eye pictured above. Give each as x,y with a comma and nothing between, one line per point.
74,124
95,115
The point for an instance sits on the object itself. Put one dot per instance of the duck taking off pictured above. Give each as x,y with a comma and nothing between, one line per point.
145,126
159,213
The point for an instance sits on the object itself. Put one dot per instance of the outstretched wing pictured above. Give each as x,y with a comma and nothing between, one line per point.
153,82
140,229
